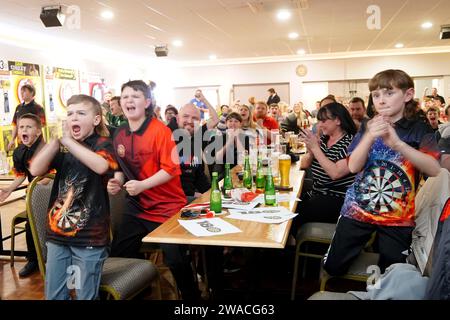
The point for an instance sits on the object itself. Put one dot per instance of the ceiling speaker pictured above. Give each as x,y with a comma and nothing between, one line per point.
52,16
161,51
445,32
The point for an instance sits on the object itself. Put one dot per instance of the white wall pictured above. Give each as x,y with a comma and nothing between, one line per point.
419,65
169,76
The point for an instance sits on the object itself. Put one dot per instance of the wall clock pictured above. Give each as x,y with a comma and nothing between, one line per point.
301,70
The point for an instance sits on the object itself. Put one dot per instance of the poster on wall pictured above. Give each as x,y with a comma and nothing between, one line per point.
59,85
5,94
93,84
20,74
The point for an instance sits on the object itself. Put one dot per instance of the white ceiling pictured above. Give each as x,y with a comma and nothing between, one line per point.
237,29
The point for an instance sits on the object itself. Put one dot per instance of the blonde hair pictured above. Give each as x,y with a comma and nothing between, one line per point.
100,129
250,123
283,106
300,115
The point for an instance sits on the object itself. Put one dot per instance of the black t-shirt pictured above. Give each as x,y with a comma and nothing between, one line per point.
31,107
437,97
79,204
22,156
193,178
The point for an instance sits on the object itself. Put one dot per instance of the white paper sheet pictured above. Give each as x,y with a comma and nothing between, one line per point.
286,197
208,227
234,204
281,197
264,215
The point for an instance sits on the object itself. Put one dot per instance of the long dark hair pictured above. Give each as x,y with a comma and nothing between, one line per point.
370,111
336,110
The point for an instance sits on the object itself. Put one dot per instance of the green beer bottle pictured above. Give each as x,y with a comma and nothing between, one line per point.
248,178
260,179
269,192
215,198
227,183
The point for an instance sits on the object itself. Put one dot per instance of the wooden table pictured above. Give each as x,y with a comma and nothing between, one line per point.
6,177
254,234
17,195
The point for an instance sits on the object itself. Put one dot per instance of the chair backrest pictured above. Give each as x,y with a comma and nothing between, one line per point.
430,201
38,198
116,209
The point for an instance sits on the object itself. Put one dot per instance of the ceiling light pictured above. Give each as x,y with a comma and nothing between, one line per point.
283,15
399,45
212,57
301,51
177,43
107,14
427,25
293,35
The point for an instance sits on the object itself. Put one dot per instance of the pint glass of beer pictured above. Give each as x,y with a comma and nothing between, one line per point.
284,166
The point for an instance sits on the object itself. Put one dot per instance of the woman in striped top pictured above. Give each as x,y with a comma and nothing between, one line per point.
327,159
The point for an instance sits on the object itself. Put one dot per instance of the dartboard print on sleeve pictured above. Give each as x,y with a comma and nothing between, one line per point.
383,188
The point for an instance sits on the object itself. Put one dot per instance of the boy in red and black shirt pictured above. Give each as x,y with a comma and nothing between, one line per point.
30,133
28,106
143,148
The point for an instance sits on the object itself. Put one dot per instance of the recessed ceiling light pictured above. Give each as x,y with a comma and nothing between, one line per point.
107,14
283,15
427,25
293,35
177,43
301,51
399,45
212,57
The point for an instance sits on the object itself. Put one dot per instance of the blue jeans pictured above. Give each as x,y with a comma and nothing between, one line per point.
70,267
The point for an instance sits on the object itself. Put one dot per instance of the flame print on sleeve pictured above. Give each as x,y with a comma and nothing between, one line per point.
109,158
18,174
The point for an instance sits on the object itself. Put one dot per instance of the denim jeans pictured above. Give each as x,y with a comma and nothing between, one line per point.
70,267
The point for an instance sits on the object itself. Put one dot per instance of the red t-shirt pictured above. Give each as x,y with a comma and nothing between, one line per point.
269,123
143,153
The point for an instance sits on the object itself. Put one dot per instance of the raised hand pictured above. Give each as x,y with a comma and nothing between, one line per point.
377,127
310,139
113,186
134,187
66,130
391,139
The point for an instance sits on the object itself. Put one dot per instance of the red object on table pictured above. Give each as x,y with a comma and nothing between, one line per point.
248,196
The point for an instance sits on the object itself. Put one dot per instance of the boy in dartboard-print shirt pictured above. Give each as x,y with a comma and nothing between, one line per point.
78,235
390,155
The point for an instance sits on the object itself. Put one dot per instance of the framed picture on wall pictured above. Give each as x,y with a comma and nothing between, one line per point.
6,137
